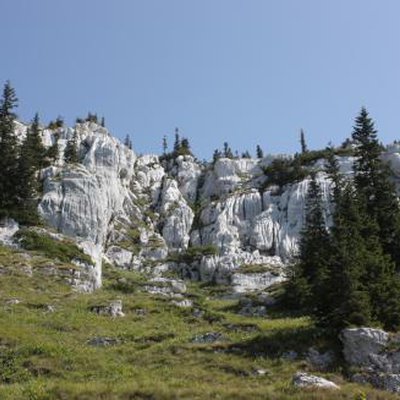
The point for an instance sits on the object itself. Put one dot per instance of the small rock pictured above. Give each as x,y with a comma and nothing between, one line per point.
102,341
261,372
141,312
303,380
185,303
50,309
257,311
209,337
319,360
114,309
11,302
197,313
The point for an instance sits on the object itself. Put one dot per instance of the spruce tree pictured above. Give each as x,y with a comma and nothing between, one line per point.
216,155
185,147
227,151
347,295
128,142
259,151
177,143
71,150
372,179
164,145
30,162
303,142
8,151
308,282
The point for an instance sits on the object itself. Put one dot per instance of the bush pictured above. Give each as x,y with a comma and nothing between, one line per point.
64,250
283,171
194,253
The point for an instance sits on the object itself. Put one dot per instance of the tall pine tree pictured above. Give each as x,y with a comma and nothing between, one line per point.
8,151
71,150
30,162
372,180
311,271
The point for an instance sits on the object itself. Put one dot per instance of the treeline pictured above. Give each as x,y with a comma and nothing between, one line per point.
20,163
349,275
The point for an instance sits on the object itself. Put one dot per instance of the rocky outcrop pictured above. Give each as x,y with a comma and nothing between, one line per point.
83,200
135,212
375,355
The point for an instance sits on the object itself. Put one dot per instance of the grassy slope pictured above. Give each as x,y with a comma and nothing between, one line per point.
47,356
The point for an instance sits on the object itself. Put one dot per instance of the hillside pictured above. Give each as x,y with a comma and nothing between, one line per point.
160,277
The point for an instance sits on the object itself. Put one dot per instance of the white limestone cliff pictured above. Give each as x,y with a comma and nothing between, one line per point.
137,212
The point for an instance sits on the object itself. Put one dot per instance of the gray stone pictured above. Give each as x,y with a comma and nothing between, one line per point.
303,380
209,337
321,361
103,341
114,309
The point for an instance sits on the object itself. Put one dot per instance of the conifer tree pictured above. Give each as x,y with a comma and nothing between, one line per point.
216,155
164,145
8,150
346,293
311,272
177,143
71,150
227,151
372,179
128,142
52,152
259,151
303,142
30,162
185,147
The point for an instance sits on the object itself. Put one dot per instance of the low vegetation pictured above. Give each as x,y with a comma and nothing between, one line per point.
151,354
194,253
62,250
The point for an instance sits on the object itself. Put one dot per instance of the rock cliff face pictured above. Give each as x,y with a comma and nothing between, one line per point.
214,222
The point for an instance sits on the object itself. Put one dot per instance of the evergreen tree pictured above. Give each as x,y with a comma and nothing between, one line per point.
303,142
227,151
164,145
177,143
35,144
30,161
372,179
308,282
246,154
216,155
71,150
259,151
8,151
52,152
103,122
185,147
128,142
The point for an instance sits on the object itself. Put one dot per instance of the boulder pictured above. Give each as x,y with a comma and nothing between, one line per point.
303,380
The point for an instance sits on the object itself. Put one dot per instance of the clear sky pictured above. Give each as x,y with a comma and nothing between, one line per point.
242,71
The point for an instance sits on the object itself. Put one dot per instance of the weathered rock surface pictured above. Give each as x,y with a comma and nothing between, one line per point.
303,380
114,309
209,337
375,354
135,212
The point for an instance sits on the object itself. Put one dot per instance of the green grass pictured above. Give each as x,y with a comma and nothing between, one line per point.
47,355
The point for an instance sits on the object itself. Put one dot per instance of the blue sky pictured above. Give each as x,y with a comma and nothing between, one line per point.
242,71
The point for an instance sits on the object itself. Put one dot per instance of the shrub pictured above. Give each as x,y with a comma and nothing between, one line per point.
64,250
